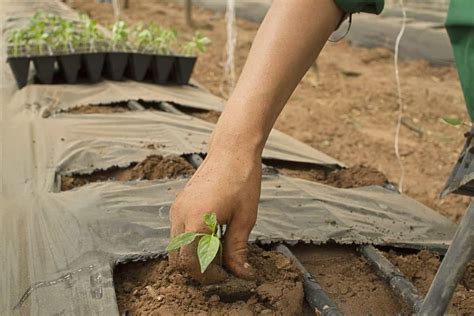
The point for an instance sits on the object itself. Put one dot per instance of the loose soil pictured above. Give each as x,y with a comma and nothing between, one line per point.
98,109
208,116
421,269
352,177
153,287
349,280
152,168
347,105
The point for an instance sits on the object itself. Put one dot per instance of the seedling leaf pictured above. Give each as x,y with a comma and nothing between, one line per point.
207,250
454,121
182,240
210,219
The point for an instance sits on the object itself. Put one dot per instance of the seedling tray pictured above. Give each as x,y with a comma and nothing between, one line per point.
139,65
92,66
20,67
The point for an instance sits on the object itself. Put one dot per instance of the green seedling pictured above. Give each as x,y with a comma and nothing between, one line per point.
90,34
141,38
119,34
209,245
162,39
198,44
18,38
65,36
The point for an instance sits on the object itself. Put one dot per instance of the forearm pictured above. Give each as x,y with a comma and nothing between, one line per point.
287,43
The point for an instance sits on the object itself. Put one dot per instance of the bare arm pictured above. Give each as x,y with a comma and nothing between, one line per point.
228,182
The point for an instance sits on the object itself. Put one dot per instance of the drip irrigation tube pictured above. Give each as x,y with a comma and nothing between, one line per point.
314,294
400,285
168,107
135,106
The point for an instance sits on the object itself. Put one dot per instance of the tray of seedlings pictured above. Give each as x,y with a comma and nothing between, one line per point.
66,51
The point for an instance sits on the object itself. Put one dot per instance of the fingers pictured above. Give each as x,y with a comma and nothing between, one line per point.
235,247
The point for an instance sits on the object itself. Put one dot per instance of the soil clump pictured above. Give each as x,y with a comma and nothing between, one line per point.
153,287
152,168
98,109
352,177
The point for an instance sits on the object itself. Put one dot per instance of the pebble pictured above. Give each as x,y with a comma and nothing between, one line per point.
214,299
266,312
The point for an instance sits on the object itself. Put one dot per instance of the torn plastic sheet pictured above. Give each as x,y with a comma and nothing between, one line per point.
81,144
461,180
102,223
57,98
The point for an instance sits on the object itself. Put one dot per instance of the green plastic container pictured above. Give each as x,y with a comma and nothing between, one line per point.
460,27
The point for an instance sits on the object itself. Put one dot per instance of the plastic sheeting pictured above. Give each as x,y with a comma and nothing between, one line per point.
461,180
58,249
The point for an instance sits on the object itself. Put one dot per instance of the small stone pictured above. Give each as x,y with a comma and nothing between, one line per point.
159,298
214,299
127,287
266,312
135,293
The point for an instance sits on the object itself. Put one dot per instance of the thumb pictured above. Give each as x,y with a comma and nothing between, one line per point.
235,249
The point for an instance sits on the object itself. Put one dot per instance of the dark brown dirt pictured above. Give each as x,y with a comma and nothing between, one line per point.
98,109
349,280
352,177
351,118
152,168
421,268
208,116
154,288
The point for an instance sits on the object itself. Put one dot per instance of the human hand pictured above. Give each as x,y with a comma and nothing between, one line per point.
229,187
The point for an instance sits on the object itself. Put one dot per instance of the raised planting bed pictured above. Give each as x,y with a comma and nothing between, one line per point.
421,267
349,280
153,287
81,50
152,168
352,177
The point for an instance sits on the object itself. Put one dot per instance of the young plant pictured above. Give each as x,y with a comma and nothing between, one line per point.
65,36
18,38
40,32
163,39
90,34
119,34
209,244
198,44
142,38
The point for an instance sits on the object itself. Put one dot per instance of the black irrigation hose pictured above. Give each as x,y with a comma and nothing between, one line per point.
168,107
452,267
314,294
390,273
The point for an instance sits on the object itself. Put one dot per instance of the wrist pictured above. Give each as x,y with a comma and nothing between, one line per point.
234,139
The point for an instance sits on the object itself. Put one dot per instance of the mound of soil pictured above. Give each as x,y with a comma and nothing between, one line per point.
421,269
152,168
352,177
98,109
349,280
154,287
